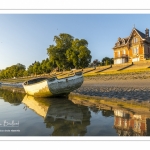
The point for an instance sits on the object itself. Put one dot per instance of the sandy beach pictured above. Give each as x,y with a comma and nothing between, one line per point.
131,89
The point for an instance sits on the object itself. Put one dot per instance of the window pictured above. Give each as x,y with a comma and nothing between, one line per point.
124,51
119,122
135,50
137,125
135,40
125,123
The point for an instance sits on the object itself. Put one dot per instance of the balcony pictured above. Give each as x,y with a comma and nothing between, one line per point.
121,56
135,55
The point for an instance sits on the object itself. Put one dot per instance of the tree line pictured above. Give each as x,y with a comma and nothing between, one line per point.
104,62
67,53
20,70
42,67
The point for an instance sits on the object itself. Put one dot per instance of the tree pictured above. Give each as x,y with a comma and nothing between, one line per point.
107,61
46,66
79,55
36,68
30,70
49,66
57,54
69,52
25,73
95,63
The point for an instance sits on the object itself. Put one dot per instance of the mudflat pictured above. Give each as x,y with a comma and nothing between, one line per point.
130,89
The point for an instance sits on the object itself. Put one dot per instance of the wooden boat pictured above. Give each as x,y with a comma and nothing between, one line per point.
51,86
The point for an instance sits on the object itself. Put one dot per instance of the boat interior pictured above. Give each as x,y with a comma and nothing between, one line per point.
52,78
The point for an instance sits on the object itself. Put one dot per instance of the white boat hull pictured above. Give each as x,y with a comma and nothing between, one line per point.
51,87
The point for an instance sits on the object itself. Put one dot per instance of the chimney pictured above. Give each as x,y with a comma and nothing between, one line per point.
146,33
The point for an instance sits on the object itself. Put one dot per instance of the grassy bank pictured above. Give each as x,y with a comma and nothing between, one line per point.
127,73
123,72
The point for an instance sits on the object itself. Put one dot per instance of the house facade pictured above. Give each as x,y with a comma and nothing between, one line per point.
134,48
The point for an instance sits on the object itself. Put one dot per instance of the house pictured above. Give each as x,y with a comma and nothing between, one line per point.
134,48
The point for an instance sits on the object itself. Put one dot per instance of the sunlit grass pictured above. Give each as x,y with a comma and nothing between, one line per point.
142,70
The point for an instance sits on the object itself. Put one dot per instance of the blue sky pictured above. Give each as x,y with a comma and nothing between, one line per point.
24,38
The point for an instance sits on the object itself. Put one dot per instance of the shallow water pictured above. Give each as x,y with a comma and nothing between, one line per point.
22,115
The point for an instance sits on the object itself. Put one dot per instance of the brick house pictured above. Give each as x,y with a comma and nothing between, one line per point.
134,48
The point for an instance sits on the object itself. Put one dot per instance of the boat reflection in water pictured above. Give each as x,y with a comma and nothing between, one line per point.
130,124
65,117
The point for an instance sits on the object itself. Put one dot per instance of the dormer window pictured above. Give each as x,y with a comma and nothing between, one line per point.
135,40
118,43
123,41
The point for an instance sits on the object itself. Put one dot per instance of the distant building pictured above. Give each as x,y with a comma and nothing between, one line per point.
134,48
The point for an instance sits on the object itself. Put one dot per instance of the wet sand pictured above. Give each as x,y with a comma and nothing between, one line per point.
131,89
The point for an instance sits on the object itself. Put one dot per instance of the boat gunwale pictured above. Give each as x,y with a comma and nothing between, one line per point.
47,79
